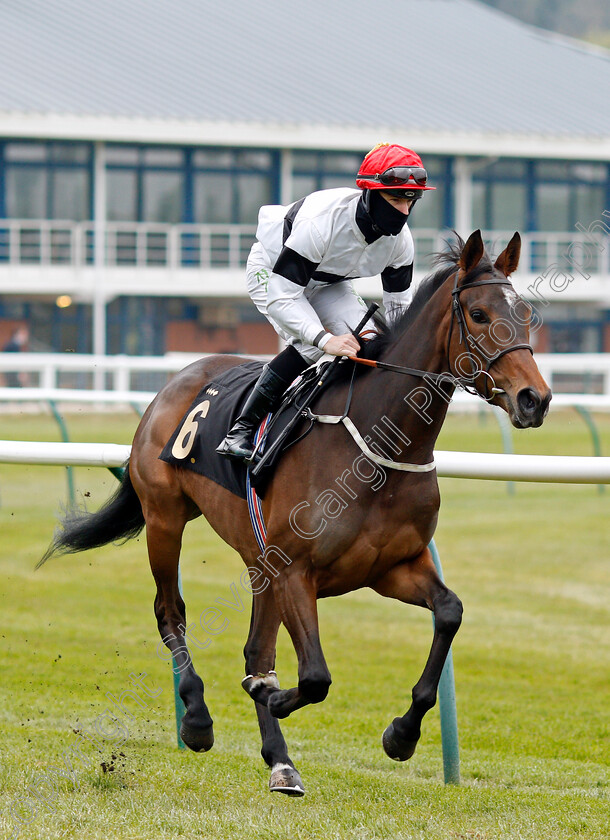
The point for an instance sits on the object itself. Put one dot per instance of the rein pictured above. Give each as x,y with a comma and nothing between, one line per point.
466,338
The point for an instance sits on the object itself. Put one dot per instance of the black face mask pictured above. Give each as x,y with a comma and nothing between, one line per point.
384,215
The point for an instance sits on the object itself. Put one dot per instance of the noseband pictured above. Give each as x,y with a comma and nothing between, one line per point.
468,340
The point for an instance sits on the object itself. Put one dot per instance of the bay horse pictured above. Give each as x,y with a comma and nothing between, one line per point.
338,518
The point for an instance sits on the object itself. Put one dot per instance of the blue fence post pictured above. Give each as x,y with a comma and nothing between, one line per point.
447,707
595,439
66,439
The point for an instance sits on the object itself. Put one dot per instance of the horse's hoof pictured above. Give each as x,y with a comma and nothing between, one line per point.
285,779
396,748
197,738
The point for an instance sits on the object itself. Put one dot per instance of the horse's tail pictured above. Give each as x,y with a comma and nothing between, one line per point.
120,517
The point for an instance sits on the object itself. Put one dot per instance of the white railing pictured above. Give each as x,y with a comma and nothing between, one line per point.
52,370
483,465
127,373
143,245
147,244
77,395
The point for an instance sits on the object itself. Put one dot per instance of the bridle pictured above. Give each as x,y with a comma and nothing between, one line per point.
466,382
468,339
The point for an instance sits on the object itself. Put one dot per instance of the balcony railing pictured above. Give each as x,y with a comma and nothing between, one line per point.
145,245
46,243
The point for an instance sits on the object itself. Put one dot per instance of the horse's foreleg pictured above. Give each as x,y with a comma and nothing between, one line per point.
260,682
295,596
417,582
164,537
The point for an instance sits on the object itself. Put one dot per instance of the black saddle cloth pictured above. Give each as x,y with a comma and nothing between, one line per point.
212,413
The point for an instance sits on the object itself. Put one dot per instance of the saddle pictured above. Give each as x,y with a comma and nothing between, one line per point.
213,412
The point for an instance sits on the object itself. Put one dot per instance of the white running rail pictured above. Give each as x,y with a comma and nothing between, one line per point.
484,465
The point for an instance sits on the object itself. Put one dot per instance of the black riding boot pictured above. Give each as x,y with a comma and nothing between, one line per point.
266,396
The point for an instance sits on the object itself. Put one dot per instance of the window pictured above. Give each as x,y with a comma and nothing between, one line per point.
230,186
302,185
26,193
428,211
136,326
479,205
566,193
510,169
508,205
574,328
162,197
575,338
500,195
145,184
553,206
69,194
213,199
48,180
172,185
122,195
589,202
252,191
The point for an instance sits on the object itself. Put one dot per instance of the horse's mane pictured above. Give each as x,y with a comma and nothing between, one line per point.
445,262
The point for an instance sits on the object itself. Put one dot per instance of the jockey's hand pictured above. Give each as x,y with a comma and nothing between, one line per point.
342,345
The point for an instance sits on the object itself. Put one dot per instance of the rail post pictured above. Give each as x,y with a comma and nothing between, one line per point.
595,438
66,439
447,706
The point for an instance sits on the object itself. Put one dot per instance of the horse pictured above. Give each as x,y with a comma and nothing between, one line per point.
341,515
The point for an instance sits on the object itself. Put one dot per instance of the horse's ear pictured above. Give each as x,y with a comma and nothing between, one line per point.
472,252
508,260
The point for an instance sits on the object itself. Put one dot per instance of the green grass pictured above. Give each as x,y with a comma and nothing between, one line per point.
531,660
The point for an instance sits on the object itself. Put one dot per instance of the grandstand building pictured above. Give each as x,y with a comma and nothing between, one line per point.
138,138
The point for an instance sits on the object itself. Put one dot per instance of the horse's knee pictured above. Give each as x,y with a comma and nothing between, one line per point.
315,688
448,614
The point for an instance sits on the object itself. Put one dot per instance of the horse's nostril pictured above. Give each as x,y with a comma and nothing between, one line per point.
528,400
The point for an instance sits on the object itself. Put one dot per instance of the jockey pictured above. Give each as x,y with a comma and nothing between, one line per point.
300,269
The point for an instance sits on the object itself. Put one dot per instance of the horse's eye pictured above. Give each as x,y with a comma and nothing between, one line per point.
478,316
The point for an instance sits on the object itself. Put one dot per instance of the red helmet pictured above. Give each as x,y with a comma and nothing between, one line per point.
391,167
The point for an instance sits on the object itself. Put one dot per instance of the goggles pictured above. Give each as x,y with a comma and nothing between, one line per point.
398,176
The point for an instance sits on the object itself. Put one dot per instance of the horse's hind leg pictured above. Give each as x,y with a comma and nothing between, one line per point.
259,653
164,539
417,582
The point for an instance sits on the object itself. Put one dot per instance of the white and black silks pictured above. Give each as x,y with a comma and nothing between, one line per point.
307,252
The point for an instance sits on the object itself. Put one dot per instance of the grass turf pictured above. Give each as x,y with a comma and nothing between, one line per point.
531,660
